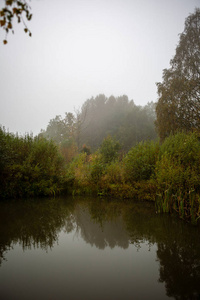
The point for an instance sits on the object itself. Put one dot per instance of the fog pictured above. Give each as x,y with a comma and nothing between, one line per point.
83,48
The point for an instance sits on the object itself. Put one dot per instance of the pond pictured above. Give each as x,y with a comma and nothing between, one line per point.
82,248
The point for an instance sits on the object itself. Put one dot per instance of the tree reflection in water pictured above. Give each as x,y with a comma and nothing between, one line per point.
178,251
37,223
33,223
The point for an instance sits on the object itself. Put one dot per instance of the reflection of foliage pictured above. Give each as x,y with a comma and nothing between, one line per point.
179,270
179,257
101,225
102,211
12,9
178,254
109,224
33,223
3,249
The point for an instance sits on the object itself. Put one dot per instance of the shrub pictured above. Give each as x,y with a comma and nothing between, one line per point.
30,166
140,161
183,147
109,150
97,168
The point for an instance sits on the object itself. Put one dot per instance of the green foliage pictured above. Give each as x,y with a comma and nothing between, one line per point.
86,149
78,174
183,147
177,176
109,150
114,173
179,99
29,166
96,168
140,161
61,130
168,174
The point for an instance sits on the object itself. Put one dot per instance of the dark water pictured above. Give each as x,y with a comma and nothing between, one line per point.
95,249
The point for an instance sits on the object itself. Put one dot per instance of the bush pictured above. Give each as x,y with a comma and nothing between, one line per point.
29,166
140,161
183,147
109,150
78,173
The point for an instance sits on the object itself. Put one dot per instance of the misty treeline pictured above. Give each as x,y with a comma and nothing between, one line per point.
100,117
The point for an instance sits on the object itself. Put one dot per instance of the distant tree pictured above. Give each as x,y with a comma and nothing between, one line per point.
11,10
61,129
93,116
63,132
118,117
100,117
178,107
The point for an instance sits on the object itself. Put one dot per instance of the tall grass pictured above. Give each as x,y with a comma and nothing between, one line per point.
177,176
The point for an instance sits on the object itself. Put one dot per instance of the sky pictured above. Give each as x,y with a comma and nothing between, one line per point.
83,48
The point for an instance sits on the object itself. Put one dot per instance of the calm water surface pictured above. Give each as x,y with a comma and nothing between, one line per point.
95,249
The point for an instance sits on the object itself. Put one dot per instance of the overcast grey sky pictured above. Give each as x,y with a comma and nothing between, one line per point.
81,48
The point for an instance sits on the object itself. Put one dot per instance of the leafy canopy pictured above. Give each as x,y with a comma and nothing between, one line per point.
178,107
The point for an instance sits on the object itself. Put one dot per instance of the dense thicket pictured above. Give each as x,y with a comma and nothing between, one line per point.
101,117
29,166
178,107
168,174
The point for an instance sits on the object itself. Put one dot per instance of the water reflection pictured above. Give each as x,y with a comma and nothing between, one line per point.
33,223
178,251
104,224
100,227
